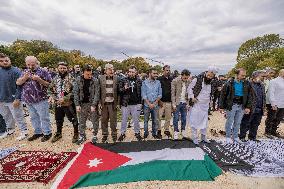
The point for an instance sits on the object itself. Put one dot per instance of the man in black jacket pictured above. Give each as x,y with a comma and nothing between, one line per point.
236,100
86,92
130,101
251,121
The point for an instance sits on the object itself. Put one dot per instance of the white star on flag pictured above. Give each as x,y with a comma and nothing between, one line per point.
95,162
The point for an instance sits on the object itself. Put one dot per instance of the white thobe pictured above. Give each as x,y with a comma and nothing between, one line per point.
198,114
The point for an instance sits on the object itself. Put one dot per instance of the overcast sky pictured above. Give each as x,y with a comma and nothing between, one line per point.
184,33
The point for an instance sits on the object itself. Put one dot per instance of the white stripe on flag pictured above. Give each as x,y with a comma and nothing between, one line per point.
164,154
65,169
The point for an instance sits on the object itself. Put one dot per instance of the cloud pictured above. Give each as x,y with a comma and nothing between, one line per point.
184,34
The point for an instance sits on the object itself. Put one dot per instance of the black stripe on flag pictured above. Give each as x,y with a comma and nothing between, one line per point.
150,145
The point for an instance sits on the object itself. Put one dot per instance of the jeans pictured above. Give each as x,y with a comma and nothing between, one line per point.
40,118
154,117
12,115
234,118
134,110
180,109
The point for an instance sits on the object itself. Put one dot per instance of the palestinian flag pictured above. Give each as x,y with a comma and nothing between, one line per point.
139,161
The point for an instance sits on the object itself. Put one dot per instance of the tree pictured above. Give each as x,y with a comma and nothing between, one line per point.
261,52
49,55
139,62
258,45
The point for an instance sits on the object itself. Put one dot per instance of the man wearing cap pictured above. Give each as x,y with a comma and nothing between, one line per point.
109,101
61,95
199,92
251,121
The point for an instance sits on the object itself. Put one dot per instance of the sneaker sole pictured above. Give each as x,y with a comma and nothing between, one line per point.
19,139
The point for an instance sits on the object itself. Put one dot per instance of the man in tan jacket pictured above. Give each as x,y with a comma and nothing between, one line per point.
180,101
109,101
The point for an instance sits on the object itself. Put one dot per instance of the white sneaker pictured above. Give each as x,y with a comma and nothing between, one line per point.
228,140
183,133
195,141
176,135
204,139
7,133
22,136
11,131
237,140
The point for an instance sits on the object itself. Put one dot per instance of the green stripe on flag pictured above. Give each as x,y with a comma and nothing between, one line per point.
195,170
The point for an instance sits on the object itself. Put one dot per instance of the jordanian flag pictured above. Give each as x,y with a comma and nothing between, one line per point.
139,161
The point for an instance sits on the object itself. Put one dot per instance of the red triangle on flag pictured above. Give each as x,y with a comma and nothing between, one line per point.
91,159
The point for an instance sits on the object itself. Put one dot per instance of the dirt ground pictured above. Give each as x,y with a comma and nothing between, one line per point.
216,123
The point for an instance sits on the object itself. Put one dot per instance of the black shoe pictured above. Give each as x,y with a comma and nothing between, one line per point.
121,137
114,138
276,134
56,137
268,135
168,134
159,134
94,140
104,139
138,136
34,137
243,139
81,140
46,137
75,138
255,140
145,135
156,137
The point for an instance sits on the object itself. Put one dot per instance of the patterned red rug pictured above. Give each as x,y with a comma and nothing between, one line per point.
31,166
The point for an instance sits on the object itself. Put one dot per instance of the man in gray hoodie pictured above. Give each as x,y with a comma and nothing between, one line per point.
11,107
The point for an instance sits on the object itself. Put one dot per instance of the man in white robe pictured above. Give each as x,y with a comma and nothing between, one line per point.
199,92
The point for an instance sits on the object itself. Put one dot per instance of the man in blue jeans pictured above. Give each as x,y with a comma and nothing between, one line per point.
11,107
180,101
151,94
35,81
236,99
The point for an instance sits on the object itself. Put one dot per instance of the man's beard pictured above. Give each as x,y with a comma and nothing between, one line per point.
6,67
207,81
63,74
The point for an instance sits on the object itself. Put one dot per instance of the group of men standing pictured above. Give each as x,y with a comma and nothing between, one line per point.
246,101
88,97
